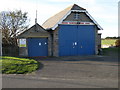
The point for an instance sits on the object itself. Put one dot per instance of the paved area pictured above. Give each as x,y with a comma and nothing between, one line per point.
69,72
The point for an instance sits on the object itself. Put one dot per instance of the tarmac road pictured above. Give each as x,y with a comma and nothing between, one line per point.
69,72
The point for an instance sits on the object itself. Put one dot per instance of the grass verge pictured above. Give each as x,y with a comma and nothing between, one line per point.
15,65
111,51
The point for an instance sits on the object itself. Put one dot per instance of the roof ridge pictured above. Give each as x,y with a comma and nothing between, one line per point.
78,7
70,7
53,21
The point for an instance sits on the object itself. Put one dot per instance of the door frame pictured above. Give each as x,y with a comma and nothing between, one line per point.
78,40
35,38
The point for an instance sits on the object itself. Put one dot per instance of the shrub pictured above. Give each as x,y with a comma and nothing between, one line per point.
117,43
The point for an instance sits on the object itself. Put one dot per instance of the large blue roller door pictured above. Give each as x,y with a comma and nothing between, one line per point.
37,47
76,40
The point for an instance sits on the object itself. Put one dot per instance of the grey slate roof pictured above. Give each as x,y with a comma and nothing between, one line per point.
56,18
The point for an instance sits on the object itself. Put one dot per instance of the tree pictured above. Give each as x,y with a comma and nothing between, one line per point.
12,23
4,26
117,43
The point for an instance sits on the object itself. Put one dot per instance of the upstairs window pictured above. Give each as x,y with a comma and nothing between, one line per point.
77,16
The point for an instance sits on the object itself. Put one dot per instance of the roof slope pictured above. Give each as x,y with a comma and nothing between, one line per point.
53,21
56,18
76,7
36,28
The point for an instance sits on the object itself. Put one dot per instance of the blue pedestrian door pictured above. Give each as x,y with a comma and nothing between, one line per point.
76,40
37,47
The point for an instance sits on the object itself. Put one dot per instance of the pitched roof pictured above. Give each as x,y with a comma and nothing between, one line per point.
35,27
76,7
56,18
53,21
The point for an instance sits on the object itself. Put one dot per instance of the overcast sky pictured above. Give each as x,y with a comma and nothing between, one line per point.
105,12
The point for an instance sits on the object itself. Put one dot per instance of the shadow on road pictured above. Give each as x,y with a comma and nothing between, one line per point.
41,65
99,58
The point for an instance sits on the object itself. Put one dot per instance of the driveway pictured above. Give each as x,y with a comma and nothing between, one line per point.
69,72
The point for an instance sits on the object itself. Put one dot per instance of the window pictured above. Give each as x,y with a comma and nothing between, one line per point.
76,15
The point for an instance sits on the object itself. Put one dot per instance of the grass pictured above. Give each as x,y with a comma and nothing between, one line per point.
15,65
111,51
108,42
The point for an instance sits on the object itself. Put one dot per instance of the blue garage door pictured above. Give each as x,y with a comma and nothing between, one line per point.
76,40
37,47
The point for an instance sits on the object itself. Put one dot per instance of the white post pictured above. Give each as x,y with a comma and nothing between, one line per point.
0,42
0,55
119,18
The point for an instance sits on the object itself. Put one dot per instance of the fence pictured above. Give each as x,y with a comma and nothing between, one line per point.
9,50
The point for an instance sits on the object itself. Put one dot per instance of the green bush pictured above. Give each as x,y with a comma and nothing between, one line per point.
117,43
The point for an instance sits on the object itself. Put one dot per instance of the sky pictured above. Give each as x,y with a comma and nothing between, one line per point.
105,12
